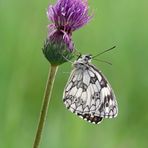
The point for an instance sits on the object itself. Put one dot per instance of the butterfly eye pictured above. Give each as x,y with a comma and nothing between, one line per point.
88,57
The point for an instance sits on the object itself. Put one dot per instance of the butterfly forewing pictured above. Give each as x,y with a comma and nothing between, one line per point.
89,95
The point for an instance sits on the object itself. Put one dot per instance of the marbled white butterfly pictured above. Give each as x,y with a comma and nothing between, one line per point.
88,94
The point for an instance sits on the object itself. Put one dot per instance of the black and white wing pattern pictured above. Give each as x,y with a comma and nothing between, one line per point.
89,95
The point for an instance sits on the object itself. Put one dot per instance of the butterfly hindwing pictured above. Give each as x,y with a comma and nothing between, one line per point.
108,105
77,96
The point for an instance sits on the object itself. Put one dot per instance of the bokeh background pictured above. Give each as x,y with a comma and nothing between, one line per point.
23,74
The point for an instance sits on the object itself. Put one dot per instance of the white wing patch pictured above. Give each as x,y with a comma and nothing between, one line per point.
89,95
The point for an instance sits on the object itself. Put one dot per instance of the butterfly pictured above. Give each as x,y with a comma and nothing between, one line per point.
88,94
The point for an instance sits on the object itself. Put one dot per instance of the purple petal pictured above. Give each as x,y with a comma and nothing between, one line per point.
69,14
59,36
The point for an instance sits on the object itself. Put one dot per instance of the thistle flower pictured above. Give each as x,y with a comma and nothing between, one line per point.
66,16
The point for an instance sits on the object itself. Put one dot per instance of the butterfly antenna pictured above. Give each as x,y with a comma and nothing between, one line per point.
103,61
104,51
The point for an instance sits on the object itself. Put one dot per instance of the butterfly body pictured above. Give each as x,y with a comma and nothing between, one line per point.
88,94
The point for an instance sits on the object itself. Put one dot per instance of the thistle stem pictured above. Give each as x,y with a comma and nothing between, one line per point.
46,100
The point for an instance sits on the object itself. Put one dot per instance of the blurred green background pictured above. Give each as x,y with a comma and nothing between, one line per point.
23,74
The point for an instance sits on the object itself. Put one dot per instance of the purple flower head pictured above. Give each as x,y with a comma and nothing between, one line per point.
67,16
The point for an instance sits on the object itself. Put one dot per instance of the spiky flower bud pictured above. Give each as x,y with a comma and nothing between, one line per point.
66,16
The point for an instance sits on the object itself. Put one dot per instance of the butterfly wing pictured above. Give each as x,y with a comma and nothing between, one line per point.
87,94
107,107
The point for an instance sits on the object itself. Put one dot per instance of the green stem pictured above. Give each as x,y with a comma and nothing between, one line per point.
46,100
